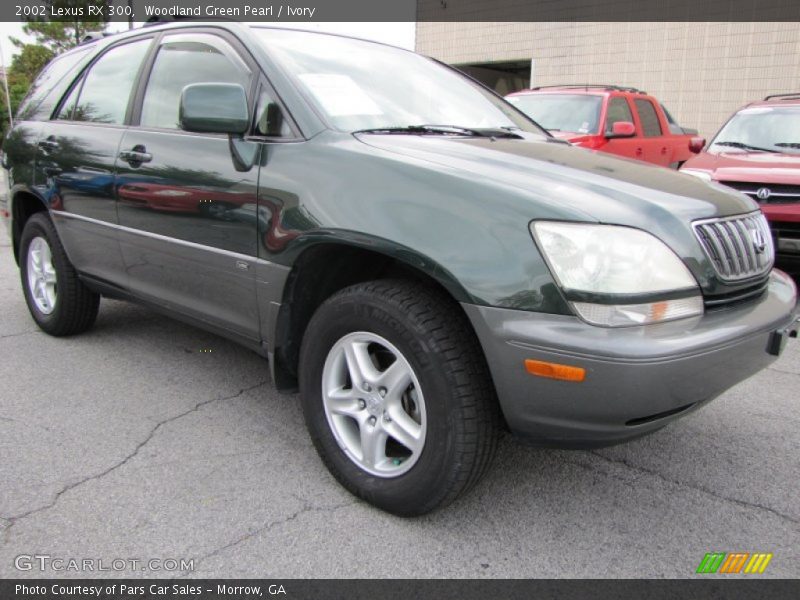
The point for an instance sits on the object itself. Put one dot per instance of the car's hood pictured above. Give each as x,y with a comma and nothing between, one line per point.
758,167
566,135
594,185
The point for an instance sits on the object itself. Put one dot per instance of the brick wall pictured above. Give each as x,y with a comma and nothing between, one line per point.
702,72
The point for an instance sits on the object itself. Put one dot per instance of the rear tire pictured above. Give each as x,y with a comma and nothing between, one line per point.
57,299
418,340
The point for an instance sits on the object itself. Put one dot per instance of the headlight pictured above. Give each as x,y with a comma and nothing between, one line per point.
616,276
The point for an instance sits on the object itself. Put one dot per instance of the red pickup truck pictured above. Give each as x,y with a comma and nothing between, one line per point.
619,120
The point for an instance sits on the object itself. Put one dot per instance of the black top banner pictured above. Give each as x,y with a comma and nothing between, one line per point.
310,11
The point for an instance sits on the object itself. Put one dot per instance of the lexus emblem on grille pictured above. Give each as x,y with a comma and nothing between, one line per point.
759,243
763,193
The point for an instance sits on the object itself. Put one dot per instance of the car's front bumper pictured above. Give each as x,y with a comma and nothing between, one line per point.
637,378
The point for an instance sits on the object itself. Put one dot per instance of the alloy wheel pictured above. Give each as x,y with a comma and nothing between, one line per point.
42,282
374,404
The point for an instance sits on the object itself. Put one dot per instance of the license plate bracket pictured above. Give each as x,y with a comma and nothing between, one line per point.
777,339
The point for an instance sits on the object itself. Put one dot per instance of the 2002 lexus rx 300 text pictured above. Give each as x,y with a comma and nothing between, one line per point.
418,257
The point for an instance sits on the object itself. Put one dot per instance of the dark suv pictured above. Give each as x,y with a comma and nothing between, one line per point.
416,255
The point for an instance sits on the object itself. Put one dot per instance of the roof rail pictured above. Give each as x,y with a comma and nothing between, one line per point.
605,86
160,20
93,36
795,95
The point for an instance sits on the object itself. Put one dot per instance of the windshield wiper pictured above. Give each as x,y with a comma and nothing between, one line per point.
445,130
744,146
788,144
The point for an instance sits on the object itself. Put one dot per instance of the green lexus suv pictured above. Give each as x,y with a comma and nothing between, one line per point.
421,260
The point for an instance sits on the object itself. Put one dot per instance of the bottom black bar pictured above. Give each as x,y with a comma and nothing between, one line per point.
394,589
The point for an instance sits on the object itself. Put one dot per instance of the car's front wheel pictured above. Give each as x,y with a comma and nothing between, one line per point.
57,299
397,397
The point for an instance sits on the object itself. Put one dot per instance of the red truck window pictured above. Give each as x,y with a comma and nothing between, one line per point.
618,110
651,127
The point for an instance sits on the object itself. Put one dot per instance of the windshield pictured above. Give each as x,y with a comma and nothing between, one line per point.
761,129
576,113
361,85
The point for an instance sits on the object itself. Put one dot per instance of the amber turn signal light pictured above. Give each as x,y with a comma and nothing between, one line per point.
554,370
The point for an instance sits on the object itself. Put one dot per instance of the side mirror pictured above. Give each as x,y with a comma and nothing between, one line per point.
622,129
696,145
214,108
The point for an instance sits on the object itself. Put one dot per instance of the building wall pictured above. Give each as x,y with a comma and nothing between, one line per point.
702,72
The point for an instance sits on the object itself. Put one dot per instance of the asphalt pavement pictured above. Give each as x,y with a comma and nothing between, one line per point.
149,439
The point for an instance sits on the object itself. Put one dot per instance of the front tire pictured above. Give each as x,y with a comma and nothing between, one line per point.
57,299
397,396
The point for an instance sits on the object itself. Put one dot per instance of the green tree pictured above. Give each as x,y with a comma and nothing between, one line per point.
17,88
25,66
29,60
61,33
53,37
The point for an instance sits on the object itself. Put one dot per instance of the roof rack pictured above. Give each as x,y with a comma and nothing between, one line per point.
161,19
605,86
794,96
158,20
93,36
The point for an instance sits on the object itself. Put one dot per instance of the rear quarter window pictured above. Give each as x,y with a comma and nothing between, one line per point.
51,84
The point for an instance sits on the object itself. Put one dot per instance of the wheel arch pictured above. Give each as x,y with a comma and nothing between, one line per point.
24,204
324,267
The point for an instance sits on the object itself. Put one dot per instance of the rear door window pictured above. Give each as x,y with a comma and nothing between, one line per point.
105,90
651,127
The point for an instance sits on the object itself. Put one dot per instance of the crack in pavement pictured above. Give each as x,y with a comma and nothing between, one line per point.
12,335
13,520
782,371
306,508
744,503
25,424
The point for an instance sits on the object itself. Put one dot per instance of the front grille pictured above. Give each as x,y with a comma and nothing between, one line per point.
739,247
767,193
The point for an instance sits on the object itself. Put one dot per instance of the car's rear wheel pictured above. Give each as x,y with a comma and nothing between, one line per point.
397,396
57,299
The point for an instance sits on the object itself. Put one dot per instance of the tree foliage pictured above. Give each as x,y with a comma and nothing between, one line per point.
53,37
61,33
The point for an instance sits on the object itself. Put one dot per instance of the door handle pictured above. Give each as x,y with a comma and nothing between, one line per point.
638,152
136,155
50,144
664,150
